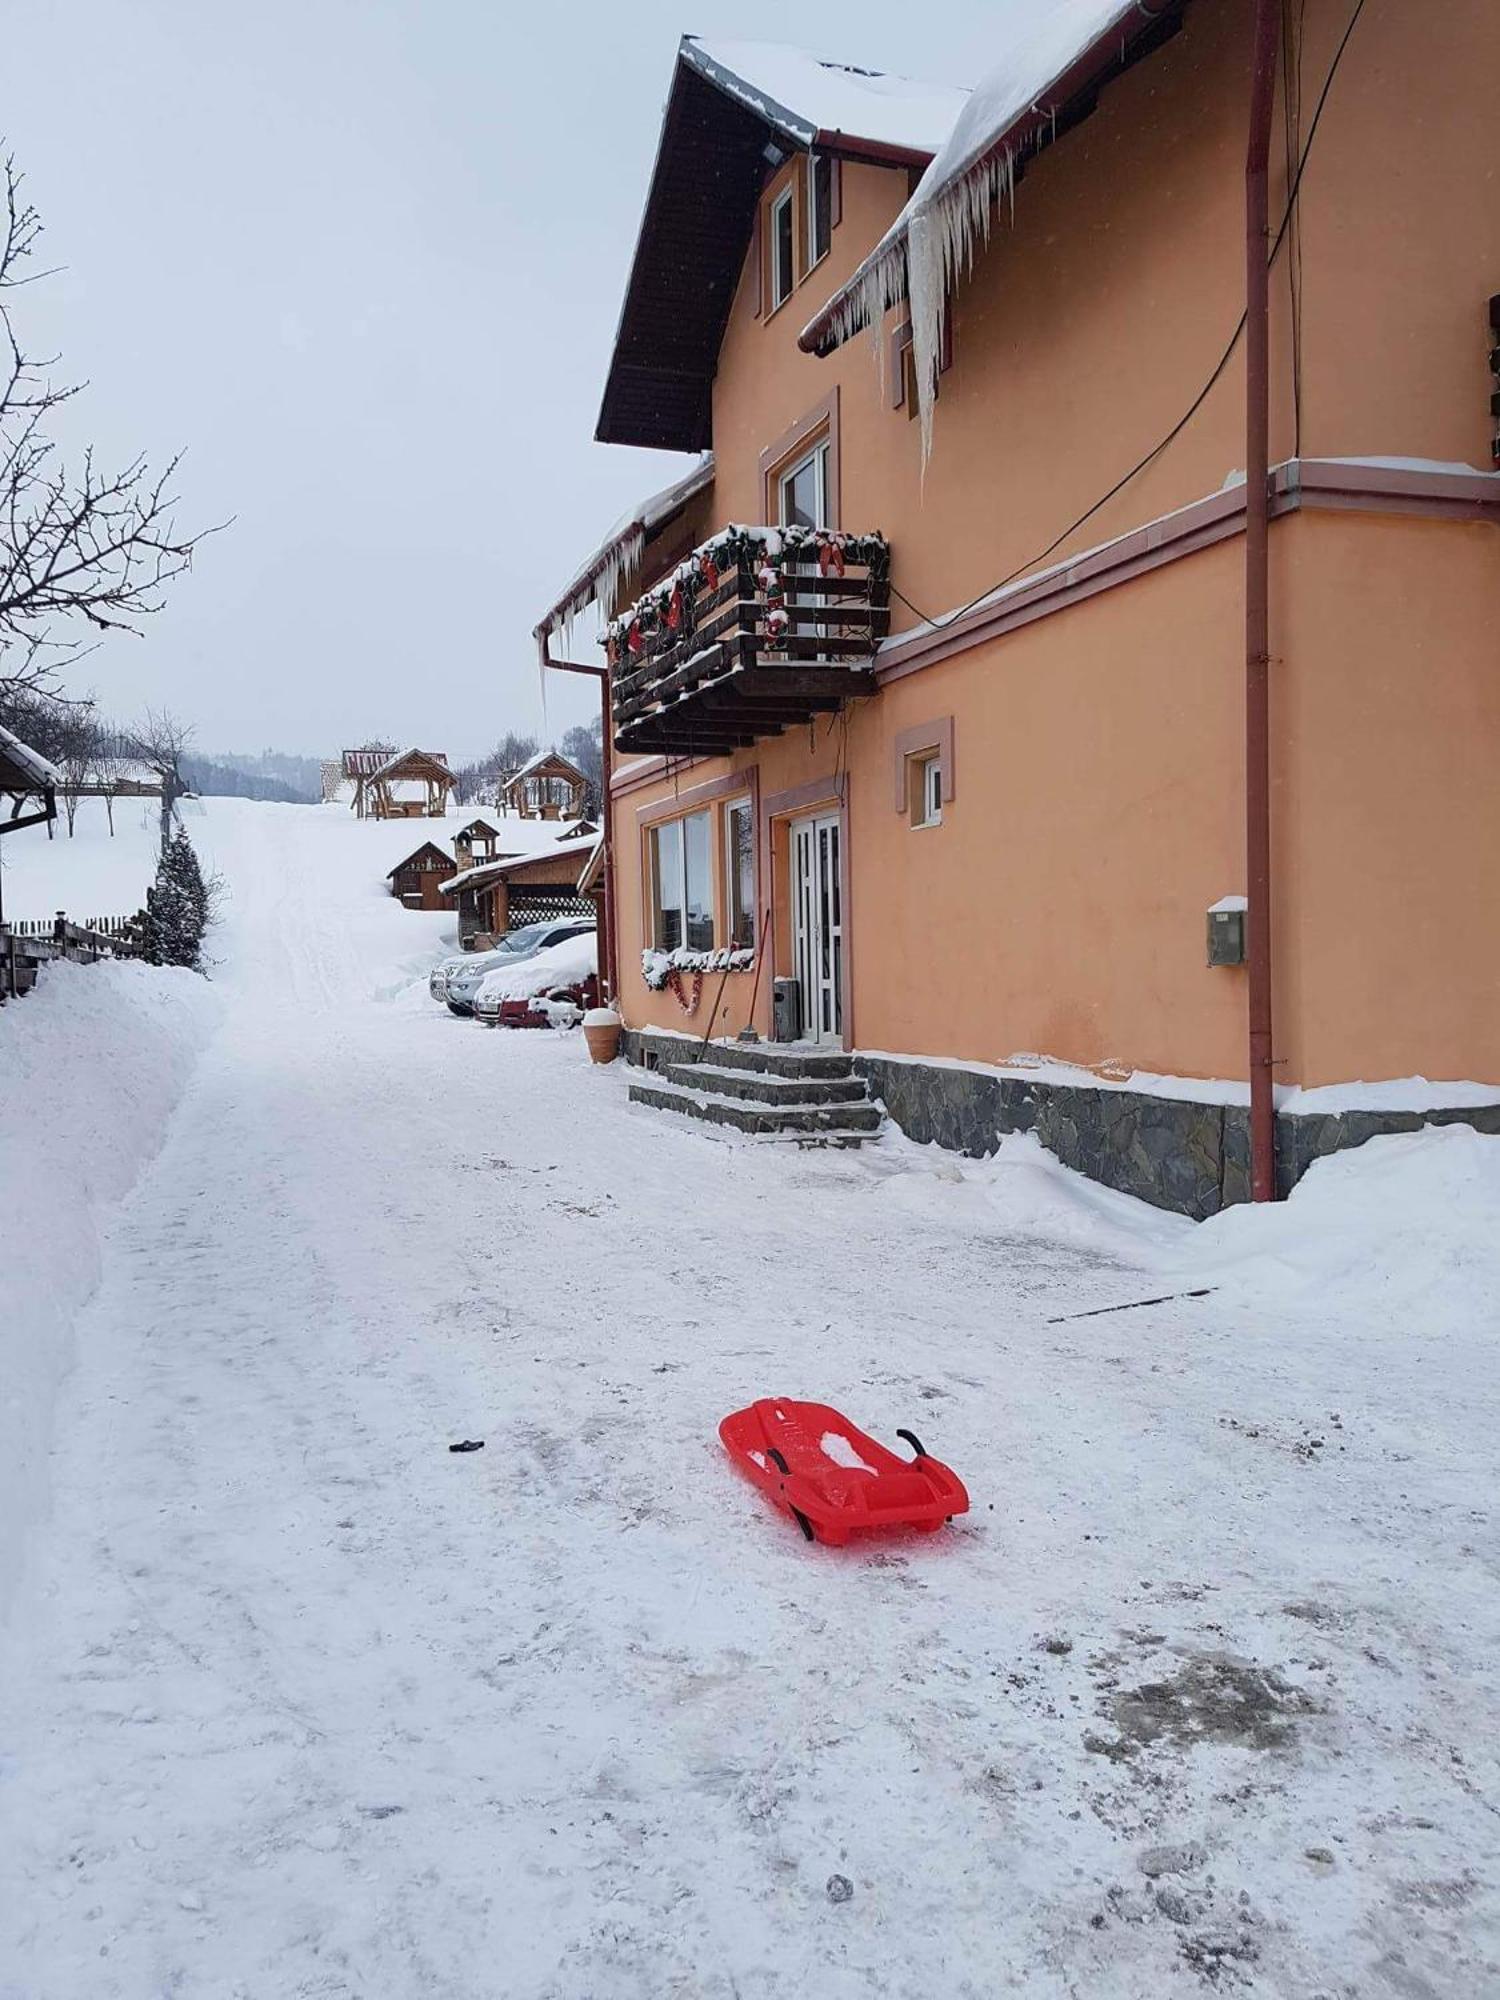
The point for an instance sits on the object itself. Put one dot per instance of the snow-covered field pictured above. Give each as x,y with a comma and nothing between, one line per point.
1202,1693
90,873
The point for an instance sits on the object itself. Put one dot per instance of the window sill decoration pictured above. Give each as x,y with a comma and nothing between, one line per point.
665,970
666,616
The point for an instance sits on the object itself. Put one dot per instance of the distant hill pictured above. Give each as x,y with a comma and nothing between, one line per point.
271,775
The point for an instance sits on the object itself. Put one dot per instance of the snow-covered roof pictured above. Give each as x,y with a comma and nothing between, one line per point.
535,763
504,864
816,100
30,761
733,109
950,211
427,847
401,756
602,578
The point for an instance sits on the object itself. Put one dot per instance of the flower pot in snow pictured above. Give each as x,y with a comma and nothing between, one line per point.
601,1030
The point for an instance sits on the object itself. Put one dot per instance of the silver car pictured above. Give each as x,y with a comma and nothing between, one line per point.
461,978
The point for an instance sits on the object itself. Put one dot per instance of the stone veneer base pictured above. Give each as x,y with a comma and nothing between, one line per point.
1178,1153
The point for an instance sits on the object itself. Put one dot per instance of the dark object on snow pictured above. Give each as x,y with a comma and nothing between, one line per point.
469,1444
840,1889
1132,1305
832,1478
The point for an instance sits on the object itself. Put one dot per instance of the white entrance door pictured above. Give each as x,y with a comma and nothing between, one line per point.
818,925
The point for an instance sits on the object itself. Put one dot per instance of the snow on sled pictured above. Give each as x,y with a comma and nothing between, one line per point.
832,1478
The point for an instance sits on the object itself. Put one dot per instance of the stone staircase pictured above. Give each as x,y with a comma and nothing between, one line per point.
776,1090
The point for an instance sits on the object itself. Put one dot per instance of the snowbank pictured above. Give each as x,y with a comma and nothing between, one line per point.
91,1065
1404,1221
1410,1220
565,964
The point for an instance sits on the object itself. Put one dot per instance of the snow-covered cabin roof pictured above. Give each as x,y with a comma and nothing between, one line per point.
603,578
734,109
427,847
823,103
29,763
1020,105
494,871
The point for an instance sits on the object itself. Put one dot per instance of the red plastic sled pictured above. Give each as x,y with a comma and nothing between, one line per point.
832,1478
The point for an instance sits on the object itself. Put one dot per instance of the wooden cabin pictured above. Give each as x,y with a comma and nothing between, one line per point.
419,878
501,896
548,786
411,784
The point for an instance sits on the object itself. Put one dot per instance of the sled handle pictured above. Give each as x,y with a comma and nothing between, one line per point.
797,1514
914,1441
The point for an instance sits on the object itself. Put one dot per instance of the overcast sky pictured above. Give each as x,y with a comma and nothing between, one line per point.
362,260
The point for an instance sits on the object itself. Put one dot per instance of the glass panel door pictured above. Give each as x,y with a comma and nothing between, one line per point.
818,925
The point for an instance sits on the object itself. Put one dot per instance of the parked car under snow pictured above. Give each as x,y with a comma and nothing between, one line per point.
456,981
543,987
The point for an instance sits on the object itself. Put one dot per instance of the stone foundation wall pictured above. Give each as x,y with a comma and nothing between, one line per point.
1178,1153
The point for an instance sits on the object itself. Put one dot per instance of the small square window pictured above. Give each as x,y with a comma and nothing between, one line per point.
783,250
926,791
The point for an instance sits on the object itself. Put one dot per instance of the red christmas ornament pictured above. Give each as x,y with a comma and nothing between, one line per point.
831,558
674,609
708,570
633,636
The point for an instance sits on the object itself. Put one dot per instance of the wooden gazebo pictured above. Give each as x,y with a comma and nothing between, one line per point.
547,787
412,784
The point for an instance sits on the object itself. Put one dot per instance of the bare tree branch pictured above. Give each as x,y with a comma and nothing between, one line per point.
79,545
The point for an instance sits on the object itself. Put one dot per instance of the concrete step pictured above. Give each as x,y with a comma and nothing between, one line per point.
765,1058
812,1124
784,1092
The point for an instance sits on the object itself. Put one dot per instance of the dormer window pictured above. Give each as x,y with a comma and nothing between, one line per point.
819,207
783,249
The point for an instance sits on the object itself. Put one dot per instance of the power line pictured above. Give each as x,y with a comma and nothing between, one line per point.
951,617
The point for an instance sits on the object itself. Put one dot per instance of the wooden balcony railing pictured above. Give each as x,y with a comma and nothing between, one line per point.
758,630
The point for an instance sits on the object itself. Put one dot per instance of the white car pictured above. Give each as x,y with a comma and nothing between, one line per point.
455,981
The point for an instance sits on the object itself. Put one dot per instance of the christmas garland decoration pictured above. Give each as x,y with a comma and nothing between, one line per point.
664,969
667,615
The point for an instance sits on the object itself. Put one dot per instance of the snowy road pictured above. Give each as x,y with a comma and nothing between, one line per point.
299,1703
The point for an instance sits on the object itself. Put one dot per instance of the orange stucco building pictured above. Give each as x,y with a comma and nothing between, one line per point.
995,833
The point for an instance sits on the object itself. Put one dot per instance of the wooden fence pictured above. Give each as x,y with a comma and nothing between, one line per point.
26,946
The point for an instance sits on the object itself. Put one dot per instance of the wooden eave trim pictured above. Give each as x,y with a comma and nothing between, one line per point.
1296,484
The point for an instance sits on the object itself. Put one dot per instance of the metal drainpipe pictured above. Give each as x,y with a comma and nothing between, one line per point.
608,958
1257,601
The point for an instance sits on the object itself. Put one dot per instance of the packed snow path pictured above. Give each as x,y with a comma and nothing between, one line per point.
297,1702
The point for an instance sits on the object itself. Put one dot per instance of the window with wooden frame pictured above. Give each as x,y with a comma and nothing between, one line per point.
682,907
925,776
782,239
820,172
903,370
739,874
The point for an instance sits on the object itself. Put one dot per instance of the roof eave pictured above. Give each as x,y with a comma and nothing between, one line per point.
1157,24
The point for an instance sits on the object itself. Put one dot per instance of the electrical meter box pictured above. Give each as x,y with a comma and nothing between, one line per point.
1226,931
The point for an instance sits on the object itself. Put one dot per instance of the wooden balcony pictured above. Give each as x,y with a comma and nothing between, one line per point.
757,631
